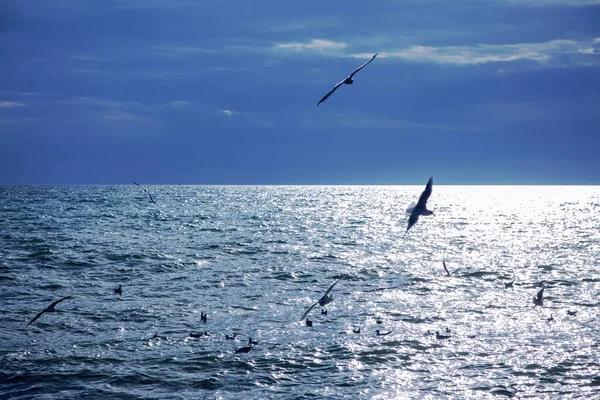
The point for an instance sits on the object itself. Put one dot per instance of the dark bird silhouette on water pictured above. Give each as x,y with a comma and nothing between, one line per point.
145,190
509,284
379,333
539,299
348,80
421,207
245,349
572,313
252,342
203,316
50,308
440,337
308,323
118,290
448,272
323,301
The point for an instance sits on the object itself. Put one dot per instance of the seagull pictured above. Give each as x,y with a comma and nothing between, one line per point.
508,284
448,272
572,313
252,342
539,299
348,80
421,207
203,316
323,301
438,336
145,190
50,308
118,290
323,312
551,318
378,332
356,330
308,322
232,337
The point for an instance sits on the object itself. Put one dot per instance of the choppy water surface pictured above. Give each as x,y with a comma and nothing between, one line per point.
254,258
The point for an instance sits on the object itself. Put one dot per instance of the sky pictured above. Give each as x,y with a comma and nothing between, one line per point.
226,92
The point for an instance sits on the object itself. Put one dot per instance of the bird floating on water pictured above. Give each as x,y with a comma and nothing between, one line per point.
245,349
232,337
203,316
572,313
50,308
379,333
308,322
440,337
539,299
323,312
252,342
356,330
323,301
145,190
348,80
448,272
118,290
421,207
550,318
508,284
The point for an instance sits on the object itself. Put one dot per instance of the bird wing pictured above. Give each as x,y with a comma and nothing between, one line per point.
540,294
444,264
410,208
330,93
307,311
151,198
58,301
331,288
421,204
138,185
362,66
35,318
414,217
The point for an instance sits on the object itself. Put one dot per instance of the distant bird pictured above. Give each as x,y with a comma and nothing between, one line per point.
156,336
323,312
539,299
550,318
196,335
145,190
245,349
232,337
378,321
252,342
440,337
323,301
508,284
379,333
356,330
421,207
348,80
118,290
203,317
447,330
572,313
50,308
308,322
448,272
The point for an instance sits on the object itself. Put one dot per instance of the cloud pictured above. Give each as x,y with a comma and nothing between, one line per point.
11,104
492,53
227,112
315,44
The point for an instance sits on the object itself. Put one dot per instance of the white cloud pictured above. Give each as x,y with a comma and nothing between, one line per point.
315,44
488,53
11,104
227,112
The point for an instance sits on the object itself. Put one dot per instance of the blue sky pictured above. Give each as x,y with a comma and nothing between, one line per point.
225,92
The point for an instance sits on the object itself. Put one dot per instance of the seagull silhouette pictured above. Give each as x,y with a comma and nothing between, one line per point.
379,333
421,207
348,80
509,284
539,299
439,337
50,308
118,290
323,301
145,190
448,272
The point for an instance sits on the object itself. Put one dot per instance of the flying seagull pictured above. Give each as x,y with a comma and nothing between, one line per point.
539,299
448,272
145,190
323,301
421,207
348,80
50,308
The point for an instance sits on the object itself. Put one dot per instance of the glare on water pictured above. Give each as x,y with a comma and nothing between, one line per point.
255,258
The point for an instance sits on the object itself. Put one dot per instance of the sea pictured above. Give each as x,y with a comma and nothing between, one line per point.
254,258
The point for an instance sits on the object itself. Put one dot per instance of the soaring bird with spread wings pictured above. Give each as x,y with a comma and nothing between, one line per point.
50,308
348,80
421,207
323,301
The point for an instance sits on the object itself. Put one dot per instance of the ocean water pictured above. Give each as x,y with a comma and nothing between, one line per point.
254,258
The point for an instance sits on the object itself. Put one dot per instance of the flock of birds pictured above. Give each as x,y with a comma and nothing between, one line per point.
413,212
